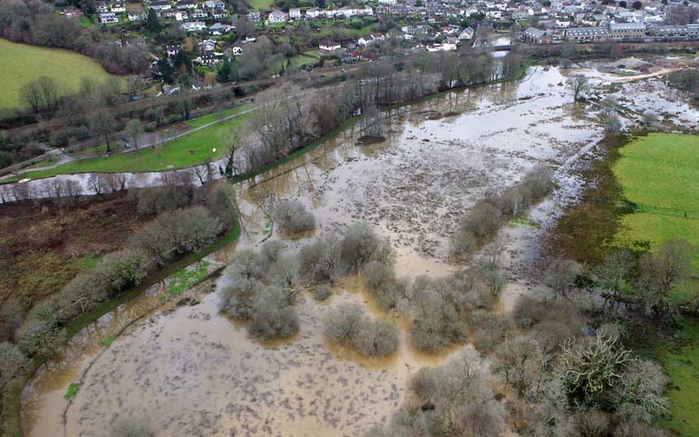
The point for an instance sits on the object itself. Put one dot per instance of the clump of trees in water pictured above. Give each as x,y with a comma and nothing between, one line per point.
347,325
261,289
292,217
485,218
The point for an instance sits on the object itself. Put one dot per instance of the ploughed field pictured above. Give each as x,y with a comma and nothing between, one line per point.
192,371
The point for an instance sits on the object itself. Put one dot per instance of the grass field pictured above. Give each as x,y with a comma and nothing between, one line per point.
22,63
682,365
187,151
659,173
260,5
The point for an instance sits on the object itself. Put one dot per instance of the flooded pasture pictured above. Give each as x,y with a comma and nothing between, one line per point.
192,371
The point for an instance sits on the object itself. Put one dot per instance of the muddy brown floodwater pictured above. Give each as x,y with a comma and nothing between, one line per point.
192,371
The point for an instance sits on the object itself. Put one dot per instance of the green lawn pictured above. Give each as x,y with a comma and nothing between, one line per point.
260,5
682,365
660,174
22,63
187,151
215,116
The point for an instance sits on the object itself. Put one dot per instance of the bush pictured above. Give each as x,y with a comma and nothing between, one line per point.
292,217
482,220
322,292
381,282
12,363
461,244
176,233
376,339
347,325
40,336
273,316
361,245
132,427
121,270
322,261
342,323
436,323
450,400
81,294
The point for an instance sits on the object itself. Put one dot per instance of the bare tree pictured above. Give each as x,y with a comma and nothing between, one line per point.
102,124
577,85
135,130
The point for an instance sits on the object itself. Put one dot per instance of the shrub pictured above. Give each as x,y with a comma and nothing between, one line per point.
376,339
322,292
347,325
273,316
132,427
538,182
342,323
177,233
121,270
593,424
482,220
461,244
292,217
520,363
381,282
451,400
361,245
40,336
435,320
322,261
12,363
81,294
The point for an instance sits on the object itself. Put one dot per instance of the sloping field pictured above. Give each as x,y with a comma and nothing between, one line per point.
22,63
660,174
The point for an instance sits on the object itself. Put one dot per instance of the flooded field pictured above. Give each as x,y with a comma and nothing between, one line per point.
192,371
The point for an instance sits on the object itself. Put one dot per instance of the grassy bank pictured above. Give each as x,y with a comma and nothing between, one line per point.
23,63
659,174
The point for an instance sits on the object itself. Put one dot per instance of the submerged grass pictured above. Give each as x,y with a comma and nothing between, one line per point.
72,389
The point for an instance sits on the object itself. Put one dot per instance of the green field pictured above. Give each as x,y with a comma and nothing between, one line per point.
659,173
682,365
187,151
260,5
22,63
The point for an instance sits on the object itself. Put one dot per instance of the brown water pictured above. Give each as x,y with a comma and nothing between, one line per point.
194,372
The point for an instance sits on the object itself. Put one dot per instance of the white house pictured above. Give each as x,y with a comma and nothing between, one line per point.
198,14
108,18
276,17
118,8
313,13
136,16
329,46
160,6
387,2
181,16
295,13
214,4
466,34
193,26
